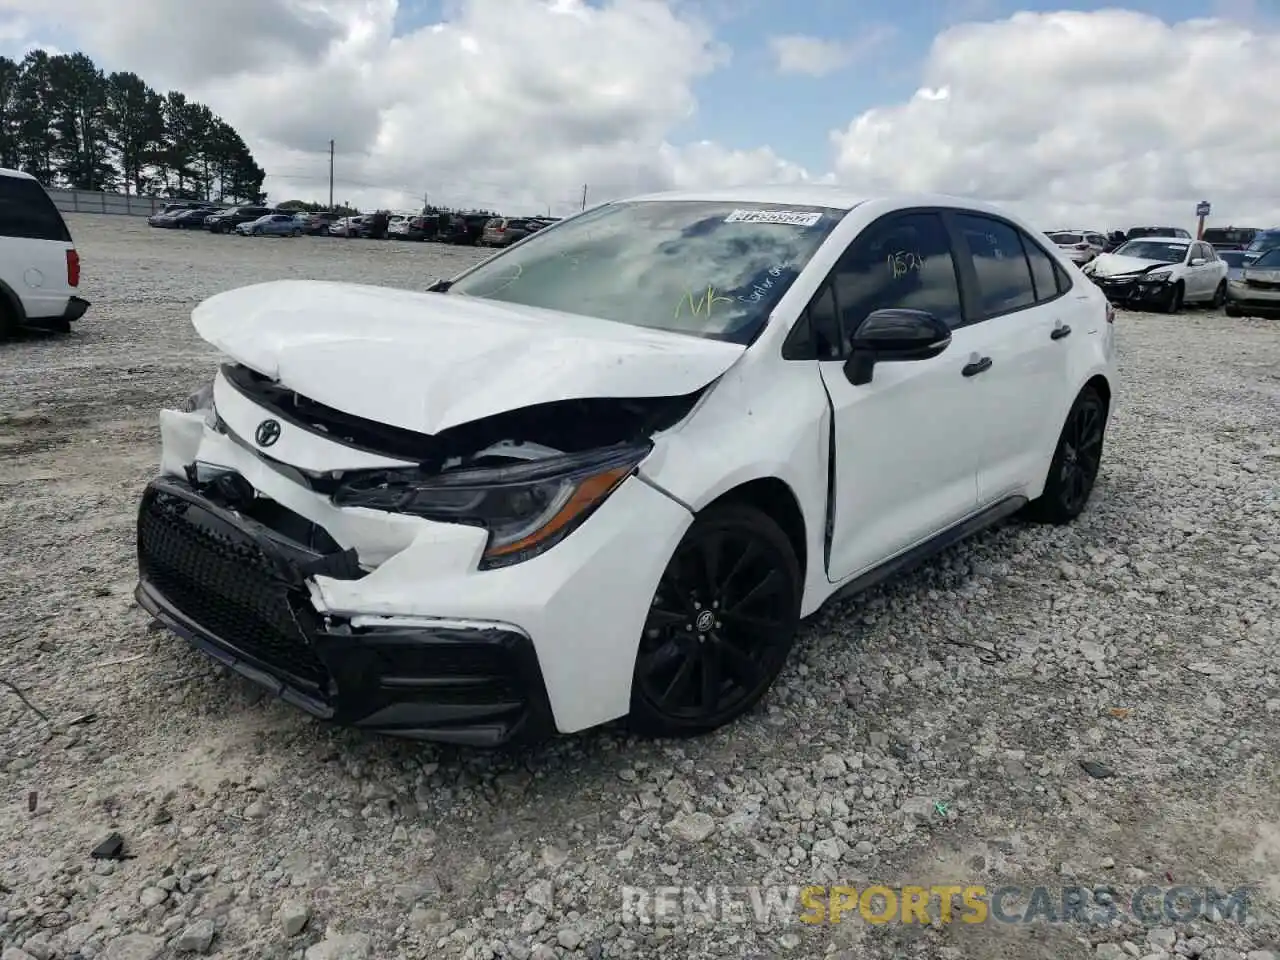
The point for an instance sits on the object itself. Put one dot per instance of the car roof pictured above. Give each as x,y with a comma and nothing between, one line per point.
826,195
16,174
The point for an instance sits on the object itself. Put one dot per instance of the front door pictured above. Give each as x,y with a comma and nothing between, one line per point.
907,443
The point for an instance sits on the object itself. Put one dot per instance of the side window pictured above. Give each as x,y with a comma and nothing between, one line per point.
1045,280
824,325
904,262
27,212
1004,276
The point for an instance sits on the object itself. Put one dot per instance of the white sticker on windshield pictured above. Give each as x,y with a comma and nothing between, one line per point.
791,218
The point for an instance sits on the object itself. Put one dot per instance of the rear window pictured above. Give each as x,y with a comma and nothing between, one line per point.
27,211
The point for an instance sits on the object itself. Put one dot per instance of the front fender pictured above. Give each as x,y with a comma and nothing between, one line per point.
764,419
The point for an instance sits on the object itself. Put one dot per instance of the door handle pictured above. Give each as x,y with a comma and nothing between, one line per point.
1060,331
975,367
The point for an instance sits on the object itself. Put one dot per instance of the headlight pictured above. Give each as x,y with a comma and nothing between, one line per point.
202,399
1158,277
527,508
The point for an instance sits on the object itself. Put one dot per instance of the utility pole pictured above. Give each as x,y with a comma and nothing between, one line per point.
584,196
330,174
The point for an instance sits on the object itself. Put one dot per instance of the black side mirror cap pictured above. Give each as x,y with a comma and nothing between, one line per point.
894,336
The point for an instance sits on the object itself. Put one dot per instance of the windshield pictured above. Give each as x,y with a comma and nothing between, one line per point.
1154,250
1269,259
1264,241
1066,238
704,268
1232,258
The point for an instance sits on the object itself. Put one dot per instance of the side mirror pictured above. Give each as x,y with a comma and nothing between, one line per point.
1198,262
894,336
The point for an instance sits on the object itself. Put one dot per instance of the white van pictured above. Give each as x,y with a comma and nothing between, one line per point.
39,266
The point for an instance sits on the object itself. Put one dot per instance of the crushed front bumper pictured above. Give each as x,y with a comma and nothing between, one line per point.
1128,291
236,589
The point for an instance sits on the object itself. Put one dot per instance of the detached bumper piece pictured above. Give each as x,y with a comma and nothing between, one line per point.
235,588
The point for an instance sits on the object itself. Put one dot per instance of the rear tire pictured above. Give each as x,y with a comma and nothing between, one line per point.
1220,296
720,626
8,320
1076,462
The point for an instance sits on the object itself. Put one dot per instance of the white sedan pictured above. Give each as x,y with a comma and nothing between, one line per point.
1164,272
607,471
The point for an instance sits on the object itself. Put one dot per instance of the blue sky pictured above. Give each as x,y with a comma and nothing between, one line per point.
794,113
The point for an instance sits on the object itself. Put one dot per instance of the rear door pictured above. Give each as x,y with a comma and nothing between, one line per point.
1025,303
33,247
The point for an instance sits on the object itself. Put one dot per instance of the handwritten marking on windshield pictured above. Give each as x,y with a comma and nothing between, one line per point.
760,290
903,262
703,305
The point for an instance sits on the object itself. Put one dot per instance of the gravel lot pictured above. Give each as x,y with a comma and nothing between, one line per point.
936,731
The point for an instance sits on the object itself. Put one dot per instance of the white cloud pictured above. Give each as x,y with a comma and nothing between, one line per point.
1098,118
818,56
1101,118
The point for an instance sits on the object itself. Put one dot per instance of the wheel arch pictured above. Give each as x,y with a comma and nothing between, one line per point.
11,304
776,500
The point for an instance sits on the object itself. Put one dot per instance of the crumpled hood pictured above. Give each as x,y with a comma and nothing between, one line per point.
429,361
1111,265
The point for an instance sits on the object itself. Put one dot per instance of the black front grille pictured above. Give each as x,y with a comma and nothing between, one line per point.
221,580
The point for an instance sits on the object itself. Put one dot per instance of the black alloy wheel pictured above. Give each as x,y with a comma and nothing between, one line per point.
1076,461
720,625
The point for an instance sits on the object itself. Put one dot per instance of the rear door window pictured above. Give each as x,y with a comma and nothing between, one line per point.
26,211
1004,275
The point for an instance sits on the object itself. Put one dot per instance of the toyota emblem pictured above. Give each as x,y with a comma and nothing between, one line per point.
268,432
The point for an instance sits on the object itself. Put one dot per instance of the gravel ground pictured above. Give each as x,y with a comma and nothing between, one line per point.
1084,707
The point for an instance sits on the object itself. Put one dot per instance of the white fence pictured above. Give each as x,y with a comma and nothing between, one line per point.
93,201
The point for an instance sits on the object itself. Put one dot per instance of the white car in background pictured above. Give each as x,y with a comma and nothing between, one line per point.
1080,246
607,471
1162,272
39,265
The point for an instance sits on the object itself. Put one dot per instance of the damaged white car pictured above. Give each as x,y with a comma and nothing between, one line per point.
606,472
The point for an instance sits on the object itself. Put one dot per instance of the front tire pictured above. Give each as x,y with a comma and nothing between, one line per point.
720,625
1076,462
1175,299
1233,311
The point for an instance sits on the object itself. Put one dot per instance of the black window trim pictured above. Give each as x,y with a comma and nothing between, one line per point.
1063,284
799,344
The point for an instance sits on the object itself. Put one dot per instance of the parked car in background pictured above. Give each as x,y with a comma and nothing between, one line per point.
504,231
346,227
225,221
318,224
39,265
166,220
1257,290
1235,260
177,205
192,219
1230,238
1163,272
464,541
1115,240
1080,246
464,228
1265,240
1137,233
271,225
